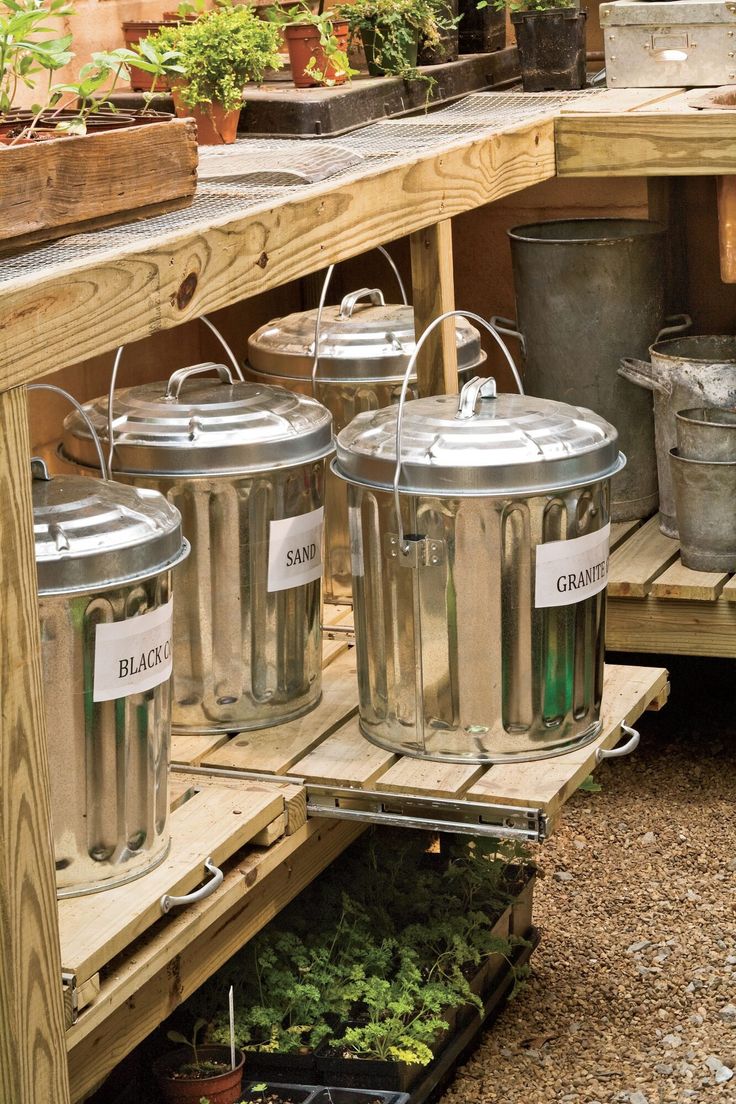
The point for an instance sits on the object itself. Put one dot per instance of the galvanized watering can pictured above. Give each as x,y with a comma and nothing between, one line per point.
683,372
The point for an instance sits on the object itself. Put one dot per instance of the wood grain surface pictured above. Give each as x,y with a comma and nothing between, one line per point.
32,1065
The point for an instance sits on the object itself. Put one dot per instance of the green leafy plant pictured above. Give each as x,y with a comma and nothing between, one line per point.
336,59
528,5
219,53
393,28
30,45
193,1043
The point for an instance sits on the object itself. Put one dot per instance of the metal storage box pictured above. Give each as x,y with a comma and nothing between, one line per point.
244,463
479,573
364,348
665,45
104,554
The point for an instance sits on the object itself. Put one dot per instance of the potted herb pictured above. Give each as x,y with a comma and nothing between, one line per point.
219,53
550,35
317,42
138,30
482,27
194,1072
391,31
448,46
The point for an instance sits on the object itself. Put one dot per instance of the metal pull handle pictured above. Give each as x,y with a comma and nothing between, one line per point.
509,327
623,749
168,902
323,299
642,373
473,391
403,543
116,364
176,379
104,470
348,304
678,323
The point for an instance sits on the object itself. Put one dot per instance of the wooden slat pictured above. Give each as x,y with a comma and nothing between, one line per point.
192,747
275,750
639,144
78,310
218,822
619,100
418,776
295,797
170,965
32,1066
729,590
344,759
620,530
547,784
640,560
682,583
666,627
433,286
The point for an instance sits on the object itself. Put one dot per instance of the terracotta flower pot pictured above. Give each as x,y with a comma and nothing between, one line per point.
303,41
215,125
221,1088
133,32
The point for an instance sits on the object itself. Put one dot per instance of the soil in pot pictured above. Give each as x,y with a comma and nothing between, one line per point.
303,42
551,49
447,48
215,125
276,1094
481,32
180,1082
292,1069
372,44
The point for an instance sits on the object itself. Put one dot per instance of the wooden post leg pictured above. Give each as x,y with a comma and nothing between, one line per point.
727,227
33,1064
434,293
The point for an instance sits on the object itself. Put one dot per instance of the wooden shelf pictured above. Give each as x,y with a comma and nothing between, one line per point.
656,604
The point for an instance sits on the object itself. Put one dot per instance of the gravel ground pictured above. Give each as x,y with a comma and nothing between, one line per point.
633,993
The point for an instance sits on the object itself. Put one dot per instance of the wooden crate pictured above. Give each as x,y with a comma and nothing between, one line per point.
325,751
209,820
67,185
656,604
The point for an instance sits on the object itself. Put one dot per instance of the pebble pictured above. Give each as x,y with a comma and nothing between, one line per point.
638,1098
633,948
563,876
728,1013
648,839
696,1019
672,1040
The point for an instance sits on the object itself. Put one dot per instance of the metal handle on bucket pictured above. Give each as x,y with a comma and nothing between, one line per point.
677,324
480,387
509,327
624,749
348,304
116,364
176,379
642,373
403,544
168,902
104,469
323,298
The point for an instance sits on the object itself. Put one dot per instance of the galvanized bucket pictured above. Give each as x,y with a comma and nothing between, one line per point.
588,292
245,465
351,357
706,433
682,372
104,557
705,493
479,538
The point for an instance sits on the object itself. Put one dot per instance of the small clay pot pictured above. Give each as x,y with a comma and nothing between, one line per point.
303,41
221,1088
215,125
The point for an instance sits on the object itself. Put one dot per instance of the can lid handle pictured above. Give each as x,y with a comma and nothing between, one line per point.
349,302
472,392
177,378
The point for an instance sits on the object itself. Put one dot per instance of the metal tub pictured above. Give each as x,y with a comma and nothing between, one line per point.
706,433
244,464
705,493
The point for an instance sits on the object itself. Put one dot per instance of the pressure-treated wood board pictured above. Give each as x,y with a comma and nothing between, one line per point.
637,561
346,760
616,101
217,822
168,965
66,185
620,530
683,583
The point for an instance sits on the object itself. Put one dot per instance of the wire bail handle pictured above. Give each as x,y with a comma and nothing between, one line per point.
113,379
323,298
473,388
177,378
38,466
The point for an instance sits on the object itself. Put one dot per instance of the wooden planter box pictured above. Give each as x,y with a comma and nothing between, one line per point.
68,185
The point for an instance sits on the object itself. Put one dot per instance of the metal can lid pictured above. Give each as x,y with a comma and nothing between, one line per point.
203,427
92,534
479,444
358,341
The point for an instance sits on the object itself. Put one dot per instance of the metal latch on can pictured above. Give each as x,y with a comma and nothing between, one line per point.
418,551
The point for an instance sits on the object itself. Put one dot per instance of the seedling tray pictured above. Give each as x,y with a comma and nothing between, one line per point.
319,1094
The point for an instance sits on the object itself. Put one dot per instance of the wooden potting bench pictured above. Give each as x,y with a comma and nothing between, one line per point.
64,303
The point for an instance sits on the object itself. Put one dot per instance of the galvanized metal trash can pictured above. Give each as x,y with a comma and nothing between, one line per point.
364,348
104,556
589,291
479,582
244,463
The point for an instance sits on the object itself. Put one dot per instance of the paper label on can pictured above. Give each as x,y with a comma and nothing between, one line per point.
134,655
569,571
295,550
